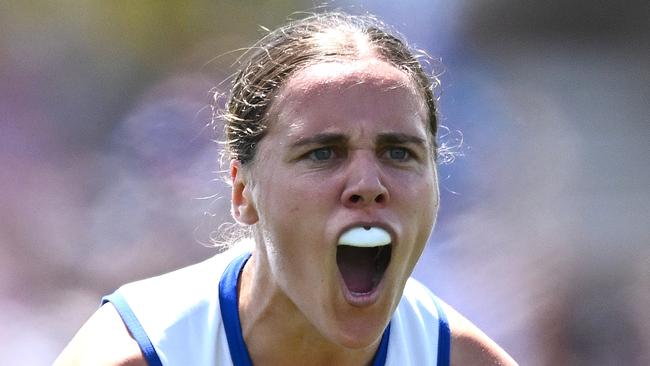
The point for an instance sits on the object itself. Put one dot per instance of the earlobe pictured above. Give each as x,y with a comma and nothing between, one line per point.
242,204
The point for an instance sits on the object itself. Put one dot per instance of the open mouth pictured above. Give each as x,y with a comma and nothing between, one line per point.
362,268
363,254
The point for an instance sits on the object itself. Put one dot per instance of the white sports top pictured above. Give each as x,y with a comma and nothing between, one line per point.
190,317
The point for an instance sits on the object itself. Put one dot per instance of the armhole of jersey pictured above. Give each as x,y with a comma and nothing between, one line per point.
444,336
134,327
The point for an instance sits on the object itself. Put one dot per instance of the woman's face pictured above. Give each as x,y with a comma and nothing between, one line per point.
347,146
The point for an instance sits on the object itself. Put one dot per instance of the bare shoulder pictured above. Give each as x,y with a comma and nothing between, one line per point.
103,340
470,346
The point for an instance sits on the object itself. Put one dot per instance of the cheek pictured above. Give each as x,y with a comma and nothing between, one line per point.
280,199
419,188
420,201
289,207
293,194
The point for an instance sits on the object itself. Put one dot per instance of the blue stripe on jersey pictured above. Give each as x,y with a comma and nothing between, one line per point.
444,337
230,311
382,352
134,327
230,315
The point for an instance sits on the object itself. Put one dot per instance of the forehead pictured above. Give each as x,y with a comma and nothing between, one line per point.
369,71
348,94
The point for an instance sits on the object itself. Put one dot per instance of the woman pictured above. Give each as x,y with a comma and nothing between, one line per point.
331,129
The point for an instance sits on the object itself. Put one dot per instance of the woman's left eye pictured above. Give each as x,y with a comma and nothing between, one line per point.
322,154
398,153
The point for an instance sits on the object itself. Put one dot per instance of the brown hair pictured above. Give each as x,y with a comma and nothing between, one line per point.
324,37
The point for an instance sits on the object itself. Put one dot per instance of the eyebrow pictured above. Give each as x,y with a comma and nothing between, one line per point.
321,139
399,138
341,139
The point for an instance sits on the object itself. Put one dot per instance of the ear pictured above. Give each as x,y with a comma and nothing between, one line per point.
242,205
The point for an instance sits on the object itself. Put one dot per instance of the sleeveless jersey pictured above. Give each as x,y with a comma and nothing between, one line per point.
190,317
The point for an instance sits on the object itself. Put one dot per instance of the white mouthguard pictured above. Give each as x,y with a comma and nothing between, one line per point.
365,238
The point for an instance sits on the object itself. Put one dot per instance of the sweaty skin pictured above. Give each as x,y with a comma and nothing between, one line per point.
348,146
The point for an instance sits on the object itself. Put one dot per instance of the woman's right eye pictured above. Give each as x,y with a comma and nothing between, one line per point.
322,154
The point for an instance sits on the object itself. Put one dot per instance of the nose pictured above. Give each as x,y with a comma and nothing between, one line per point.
364,187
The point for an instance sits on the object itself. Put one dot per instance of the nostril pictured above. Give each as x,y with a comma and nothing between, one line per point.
355,198
379,198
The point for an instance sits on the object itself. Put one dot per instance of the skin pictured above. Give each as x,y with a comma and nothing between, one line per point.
347,145
368,121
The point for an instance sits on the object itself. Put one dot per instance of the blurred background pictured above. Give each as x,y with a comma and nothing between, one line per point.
109,170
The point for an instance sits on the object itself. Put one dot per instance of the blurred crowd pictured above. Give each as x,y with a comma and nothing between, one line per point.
109,166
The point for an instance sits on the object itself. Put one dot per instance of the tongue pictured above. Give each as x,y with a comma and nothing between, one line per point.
358,267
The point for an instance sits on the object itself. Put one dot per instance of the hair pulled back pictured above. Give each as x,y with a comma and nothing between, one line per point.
325,37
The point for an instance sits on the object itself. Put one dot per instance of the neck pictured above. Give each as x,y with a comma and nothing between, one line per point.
276,332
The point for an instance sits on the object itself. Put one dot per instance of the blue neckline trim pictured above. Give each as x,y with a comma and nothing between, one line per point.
444,337
382,352
230,315
230,311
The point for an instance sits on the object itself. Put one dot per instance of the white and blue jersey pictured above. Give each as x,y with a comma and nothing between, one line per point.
190,317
